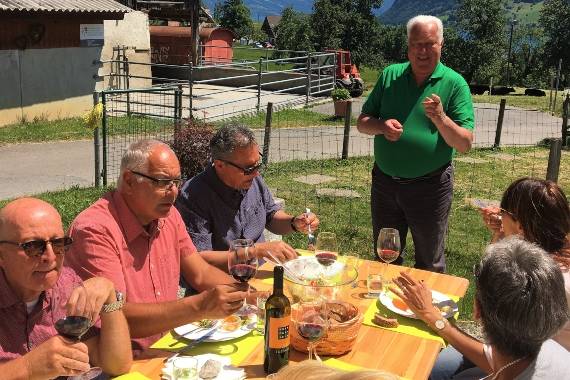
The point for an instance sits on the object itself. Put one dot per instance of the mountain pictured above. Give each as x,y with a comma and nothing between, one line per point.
392,11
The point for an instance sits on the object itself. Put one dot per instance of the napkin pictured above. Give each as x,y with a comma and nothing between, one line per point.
228,371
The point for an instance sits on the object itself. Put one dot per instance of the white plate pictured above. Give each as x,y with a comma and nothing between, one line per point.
439,300
309,268
193,332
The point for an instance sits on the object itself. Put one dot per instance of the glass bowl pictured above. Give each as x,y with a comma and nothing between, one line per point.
333,282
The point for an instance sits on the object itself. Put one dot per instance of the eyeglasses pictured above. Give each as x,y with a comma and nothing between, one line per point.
162,183
477,269
36,248
246,171
502,212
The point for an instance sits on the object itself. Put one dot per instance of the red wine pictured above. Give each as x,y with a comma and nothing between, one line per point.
72,327
242,272
388,255
310,331
326,258
277,322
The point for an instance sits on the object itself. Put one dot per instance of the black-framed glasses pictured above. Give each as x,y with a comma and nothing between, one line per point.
36,248
246,171
477,269
162,183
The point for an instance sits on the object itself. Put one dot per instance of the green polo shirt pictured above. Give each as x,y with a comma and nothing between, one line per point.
420,149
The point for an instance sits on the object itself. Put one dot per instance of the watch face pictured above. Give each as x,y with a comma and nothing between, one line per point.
440,324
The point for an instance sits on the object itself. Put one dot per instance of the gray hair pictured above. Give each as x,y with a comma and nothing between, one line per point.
136,156
520,291
229,138
423,19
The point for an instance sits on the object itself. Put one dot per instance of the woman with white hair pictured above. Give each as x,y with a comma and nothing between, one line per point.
520,300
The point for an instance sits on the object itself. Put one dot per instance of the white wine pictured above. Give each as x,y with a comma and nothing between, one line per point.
277,324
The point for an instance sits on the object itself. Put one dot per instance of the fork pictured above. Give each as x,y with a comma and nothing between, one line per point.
193,344
311,241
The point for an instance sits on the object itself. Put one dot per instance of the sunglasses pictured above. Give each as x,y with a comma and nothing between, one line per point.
36,248
162,183
502,212
246,171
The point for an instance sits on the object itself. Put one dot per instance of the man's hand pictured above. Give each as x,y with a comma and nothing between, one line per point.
279,249
417,296
55,357
392,130
222,300
303,221
433,108
87,300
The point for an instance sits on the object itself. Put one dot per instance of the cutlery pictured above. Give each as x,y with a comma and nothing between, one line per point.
276,261
208,332
311,240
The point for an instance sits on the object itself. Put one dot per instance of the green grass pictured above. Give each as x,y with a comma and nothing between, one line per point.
74,129
290,118
518,99
243,53
350,218
369,76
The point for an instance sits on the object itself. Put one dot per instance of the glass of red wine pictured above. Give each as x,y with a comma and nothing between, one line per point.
73,327
242,264
326,249
388,247
310,319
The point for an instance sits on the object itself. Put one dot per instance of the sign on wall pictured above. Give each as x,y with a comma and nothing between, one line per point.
91,34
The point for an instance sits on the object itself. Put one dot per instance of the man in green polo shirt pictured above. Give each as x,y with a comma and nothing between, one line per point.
420,113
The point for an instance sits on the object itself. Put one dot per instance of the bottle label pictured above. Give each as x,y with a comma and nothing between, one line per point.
279,332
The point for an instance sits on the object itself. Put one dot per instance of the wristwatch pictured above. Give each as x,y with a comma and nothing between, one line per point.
440,323
114,306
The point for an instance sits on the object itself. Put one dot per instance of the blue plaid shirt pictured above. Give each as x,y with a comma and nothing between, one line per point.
215,214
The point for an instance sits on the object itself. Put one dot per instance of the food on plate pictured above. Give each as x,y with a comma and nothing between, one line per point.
210,369
397,302
231,323
205,323
384,321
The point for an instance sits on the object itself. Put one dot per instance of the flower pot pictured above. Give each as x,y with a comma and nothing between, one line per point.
340,107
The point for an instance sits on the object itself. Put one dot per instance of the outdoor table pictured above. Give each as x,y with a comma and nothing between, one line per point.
405,355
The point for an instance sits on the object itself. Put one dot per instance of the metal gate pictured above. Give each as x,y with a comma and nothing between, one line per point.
132,115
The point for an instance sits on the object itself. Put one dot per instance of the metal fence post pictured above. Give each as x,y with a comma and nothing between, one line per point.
565,115
308,92
127,83
104,120
97,145
178,103
259,84
190,91
267,136
499,129
554,160
346,137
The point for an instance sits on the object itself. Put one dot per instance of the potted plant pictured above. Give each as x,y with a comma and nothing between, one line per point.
341,97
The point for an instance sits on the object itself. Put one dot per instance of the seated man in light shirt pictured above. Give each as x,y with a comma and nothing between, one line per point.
134,237
229,200
33,295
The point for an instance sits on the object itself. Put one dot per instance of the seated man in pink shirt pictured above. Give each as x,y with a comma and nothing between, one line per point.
36,291
134,237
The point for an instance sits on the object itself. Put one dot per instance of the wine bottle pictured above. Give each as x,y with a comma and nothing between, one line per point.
277,322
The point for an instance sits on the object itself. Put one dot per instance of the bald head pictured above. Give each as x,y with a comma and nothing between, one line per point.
18,214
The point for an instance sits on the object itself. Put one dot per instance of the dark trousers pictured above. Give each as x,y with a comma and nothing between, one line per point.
420,204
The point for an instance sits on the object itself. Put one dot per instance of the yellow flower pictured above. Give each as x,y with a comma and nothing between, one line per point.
93,117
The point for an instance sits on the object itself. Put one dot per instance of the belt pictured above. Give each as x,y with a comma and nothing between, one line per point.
429,175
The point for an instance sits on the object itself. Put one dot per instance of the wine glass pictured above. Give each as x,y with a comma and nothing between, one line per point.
242,264
73,327
326,249
310,319
388,247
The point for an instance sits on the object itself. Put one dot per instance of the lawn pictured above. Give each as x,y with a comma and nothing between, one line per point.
349,218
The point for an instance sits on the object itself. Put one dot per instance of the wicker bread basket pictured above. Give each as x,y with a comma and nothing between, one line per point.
340,337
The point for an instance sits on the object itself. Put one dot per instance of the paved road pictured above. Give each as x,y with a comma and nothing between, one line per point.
32,168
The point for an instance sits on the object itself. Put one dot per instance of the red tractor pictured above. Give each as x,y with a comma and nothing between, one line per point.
347,74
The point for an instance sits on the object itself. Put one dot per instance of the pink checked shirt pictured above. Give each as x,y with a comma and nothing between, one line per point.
109,241
21,332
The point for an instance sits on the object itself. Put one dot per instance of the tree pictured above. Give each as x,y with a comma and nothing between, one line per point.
555,19
234,15
481,25
349,25
293,31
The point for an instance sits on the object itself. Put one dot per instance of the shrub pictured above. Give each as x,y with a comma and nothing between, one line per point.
192,146
340,93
